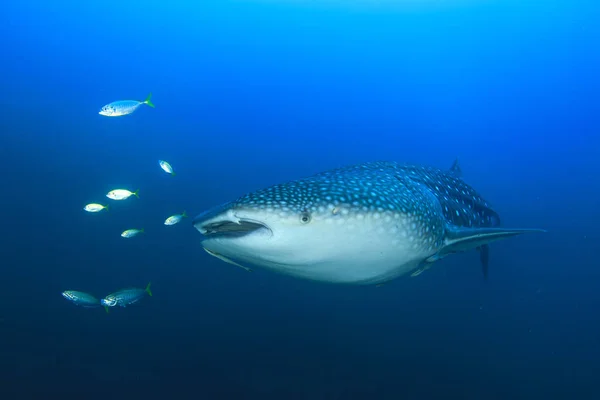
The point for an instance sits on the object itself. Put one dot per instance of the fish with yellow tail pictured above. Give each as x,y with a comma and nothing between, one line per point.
175,219
129,233
122,194
95,207
125,297
165,166
82,299
124,107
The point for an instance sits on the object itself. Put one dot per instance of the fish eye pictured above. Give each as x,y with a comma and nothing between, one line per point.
305,217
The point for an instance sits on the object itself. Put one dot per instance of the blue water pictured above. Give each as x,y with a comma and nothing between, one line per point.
252,93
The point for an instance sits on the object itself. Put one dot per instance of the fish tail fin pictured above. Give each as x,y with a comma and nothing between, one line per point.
148,101
484,256
455,169
183,214
142,230
147,290
106,207
137,193
106,308
173,173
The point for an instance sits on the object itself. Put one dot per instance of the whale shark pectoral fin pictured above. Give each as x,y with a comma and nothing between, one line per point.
464,239
422,268
459,240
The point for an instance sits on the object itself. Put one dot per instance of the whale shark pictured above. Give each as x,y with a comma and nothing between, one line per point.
363,224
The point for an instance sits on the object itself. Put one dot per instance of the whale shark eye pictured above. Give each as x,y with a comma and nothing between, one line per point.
305,217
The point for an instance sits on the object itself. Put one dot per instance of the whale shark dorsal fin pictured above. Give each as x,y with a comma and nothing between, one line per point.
455,169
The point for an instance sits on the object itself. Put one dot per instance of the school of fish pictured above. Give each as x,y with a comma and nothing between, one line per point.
123,297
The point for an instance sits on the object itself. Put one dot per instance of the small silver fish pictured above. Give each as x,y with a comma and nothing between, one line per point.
174,219
125,297
95,207
124,107
122,194
166,167
129,233
81,298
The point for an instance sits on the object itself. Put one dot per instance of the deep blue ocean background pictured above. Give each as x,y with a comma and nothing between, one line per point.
253,93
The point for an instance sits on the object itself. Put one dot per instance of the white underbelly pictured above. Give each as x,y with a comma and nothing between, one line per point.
370,255
369,265
352,272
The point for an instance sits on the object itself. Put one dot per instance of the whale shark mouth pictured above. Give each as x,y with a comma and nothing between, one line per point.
227,228
224,221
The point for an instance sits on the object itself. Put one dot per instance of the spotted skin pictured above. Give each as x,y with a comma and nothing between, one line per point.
384,190
363,224
461,204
